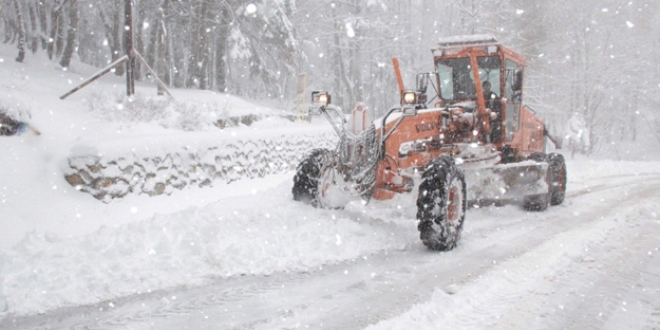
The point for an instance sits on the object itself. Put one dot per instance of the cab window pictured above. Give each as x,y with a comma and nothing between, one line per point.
456,79
513,91
489,70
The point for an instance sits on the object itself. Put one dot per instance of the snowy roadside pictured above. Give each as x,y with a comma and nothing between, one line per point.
47,227
228,238
258,233
34,197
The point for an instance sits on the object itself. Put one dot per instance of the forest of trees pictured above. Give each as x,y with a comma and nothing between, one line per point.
591,59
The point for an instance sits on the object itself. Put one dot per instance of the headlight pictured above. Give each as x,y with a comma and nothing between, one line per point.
323,98
320,98
408,98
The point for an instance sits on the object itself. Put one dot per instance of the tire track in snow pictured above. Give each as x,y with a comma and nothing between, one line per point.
479,244
116,314
552,225
629,289
495,302
141,308
512,303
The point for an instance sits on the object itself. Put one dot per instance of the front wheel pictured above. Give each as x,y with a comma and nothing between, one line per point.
441,204
306,181
556,178
538,202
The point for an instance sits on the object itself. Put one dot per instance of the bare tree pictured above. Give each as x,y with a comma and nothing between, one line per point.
56,27
71,34
112,32
21,32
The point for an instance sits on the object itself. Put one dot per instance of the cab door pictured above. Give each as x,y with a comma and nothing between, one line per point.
513,95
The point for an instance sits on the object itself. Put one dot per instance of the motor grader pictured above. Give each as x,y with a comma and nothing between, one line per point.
453,138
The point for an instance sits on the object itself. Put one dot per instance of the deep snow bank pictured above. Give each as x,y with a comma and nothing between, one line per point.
253,235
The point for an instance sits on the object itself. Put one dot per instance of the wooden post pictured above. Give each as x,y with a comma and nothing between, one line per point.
130,58
128,43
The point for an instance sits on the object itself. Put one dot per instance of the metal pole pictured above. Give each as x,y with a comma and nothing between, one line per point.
105,70
128,43
160,82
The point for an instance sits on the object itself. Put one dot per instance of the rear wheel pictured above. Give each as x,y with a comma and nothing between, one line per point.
441,204
538,202
306,181
557,178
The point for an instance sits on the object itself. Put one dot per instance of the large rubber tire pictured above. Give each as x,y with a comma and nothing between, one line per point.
538,202
441,204
557,178
306,181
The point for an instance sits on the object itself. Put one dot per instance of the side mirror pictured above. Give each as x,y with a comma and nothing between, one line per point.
517,80
422,82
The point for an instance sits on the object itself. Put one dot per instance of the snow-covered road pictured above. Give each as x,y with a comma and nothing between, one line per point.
591,263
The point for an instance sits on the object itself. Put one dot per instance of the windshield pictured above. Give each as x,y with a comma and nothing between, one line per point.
457,80
490,68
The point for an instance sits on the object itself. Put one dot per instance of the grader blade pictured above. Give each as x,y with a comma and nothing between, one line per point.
506,182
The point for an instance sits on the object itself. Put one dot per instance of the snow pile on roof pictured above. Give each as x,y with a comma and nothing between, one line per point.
467,39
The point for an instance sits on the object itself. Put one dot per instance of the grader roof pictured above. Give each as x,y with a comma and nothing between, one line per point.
471,40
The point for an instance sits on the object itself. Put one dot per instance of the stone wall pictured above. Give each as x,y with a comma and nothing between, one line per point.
108,178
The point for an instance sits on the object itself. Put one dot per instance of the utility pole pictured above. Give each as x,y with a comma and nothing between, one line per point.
128,43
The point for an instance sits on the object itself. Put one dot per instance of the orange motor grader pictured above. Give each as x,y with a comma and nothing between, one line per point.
463,135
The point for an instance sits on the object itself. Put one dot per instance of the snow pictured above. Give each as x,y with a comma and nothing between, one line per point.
61,248
501,290
222,239
465,39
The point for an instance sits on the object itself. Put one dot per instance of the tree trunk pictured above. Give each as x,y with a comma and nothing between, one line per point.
54,23
71,34
356,65
161,45
10,30
21,33
43,24
116,26
204,47
138,12
34,42
151,54
112,35
340,70
193,76
128,45
221,50
59,36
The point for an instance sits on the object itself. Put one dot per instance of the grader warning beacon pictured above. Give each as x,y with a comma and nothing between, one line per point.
467,139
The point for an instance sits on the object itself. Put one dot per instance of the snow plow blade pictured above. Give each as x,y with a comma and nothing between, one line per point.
506,182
